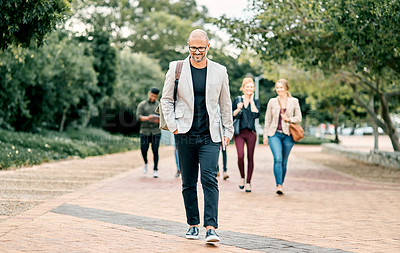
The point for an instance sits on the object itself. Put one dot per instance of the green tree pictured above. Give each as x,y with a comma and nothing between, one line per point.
24,21
158,28
163,37
67,76
138,73
51,82
105,63
357,39
237,69
14,78
334,99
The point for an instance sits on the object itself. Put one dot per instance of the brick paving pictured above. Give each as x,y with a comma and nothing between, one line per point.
322,211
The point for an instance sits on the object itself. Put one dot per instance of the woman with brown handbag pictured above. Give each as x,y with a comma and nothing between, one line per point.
281,111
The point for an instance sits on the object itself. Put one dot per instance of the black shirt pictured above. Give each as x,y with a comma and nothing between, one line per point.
247,117
200,124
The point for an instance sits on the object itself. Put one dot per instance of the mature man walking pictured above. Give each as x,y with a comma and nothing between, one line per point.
201,119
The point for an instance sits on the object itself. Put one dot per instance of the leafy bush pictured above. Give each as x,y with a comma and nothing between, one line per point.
97,138
33,141
15,156
312,140
21,149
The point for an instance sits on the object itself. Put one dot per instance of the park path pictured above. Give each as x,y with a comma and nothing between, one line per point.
322,211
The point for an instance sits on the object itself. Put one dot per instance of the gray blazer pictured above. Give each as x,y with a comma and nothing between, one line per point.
218,101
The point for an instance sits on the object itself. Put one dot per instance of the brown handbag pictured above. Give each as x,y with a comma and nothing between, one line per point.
296,131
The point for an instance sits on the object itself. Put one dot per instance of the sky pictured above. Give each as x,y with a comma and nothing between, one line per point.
232,8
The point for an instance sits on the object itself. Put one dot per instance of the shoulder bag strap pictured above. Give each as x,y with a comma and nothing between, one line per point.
280,105
178,71
240,100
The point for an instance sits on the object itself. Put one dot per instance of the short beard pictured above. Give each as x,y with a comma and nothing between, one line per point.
198,61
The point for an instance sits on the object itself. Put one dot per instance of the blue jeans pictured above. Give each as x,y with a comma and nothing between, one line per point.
280,145
176,156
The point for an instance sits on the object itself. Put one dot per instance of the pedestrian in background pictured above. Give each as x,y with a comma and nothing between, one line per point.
149,129
201,119
281,110
224,168
247,110
178,170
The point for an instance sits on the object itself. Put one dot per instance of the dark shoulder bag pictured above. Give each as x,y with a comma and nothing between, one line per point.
236,121
178,71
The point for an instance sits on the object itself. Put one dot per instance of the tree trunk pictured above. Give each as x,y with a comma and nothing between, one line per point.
374,125
376,135
386,123
86,119
390,129
63,119
336,123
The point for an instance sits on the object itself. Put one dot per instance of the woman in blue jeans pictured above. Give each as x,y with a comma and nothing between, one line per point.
281,110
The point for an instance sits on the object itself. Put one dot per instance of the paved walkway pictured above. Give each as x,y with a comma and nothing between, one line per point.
322,211
365,143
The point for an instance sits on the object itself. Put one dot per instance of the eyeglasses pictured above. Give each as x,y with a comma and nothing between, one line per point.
193,49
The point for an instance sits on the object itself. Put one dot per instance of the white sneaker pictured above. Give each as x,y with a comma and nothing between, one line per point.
279,190
155,174
211,236
145,168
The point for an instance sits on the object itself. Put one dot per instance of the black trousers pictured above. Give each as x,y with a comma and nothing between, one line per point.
192,152
145,141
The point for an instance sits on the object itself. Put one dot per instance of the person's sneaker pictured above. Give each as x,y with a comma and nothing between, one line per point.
178,173
145,168
241,185
155,174
279,190
248,187
226,176
192,233
211,236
